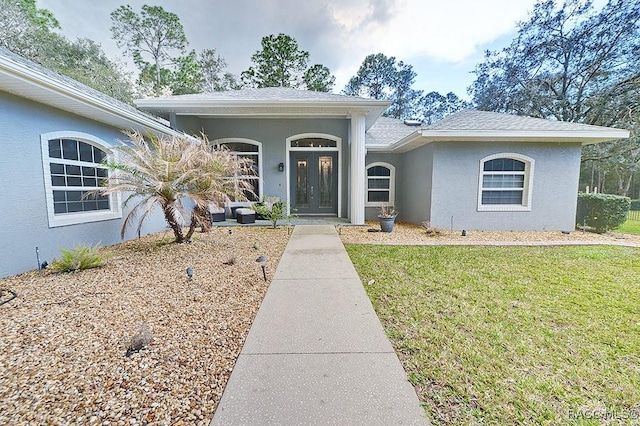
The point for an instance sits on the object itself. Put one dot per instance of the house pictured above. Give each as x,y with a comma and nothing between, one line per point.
55,132
326,154
336,155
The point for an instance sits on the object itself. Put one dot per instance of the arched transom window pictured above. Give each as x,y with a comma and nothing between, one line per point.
73,170
505,182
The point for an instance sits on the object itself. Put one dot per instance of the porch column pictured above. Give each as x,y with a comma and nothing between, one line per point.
358,152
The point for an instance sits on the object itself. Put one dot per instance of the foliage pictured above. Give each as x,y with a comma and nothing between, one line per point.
153,33
80,258
603,212
281,63
435,106
510,335
175,173
381,77
387,210
318,78
31,33
213,76
85,61
272,209
572,63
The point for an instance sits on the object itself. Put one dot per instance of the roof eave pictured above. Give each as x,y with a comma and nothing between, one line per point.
104,113
584,137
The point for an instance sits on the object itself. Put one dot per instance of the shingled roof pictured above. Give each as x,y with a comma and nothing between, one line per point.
27,79
484,120
483,126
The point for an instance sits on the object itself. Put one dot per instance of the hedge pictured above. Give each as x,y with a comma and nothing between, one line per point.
602,212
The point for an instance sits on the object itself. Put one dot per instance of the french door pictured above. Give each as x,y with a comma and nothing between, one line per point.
314,182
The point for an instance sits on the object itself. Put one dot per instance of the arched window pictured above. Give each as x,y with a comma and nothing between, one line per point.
505,182
72,163
252,150
380,184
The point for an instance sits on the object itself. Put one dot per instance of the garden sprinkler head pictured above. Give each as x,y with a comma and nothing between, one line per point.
190,273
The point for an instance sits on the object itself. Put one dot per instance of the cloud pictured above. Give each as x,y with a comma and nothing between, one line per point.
337,33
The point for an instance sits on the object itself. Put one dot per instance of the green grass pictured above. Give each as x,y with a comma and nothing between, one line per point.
504,335
630,227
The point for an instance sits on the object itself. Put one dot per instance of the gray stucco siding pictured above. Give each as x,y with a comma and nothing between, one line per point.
416,185
456,168
272,134
25,224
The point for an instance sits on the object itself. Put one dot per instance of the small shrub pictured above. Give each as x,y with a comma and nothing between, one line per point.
81,257
141,338
602,212
635,205
271,209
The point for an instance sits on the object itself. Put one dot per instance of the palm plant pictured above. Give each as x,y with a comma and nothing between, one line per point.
174,173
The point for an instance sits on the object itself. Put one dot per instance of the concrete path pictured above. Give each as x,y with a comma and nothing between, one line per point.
317,353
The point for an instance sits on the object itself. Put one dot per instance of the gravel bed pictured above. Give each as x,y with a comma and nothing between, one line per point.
405,233
64,338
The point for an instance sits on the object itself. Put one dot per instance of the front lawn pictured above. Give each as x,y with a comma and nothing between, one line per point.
630,227
504,335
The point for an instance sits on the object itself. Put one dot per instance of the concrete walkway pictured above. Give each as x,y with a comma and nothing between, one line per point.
317,353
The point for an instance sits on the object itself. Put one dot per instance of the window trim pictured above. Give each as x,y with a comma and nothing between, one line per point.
527,187
260,169
65,219
392,185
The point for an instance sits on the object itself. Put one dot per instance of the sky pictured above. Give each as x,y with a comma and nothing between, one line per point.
442,39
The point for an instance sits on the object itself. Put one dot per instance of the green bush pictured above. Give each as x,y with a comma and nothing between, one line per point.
271,209
602,212
81,257
635,205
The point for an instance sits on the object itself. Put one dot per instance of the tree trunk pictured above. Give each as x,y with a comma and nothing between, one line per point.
192,227
173,224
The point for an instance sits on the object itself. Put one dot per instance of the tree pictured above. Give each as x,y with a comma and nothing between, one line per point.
381,77
571,63
281,63
214,78
319,79
30,33
24,28
85,61
173,173
435,106
154,33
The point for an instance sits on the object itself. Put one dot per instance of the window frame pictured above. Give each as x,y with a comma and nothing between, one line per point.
75,218
392,184
259,178
526,189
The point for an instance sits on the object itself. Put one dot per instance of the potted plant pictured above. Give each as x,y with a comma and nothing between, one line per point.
387,216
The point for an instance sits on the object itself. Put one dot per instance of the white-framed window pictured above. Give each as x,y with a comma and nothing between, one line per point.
505,182
72,166
252,150
381,183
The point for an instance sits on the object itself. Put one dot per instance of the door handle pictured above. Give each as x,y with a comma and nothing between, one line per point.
311,191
